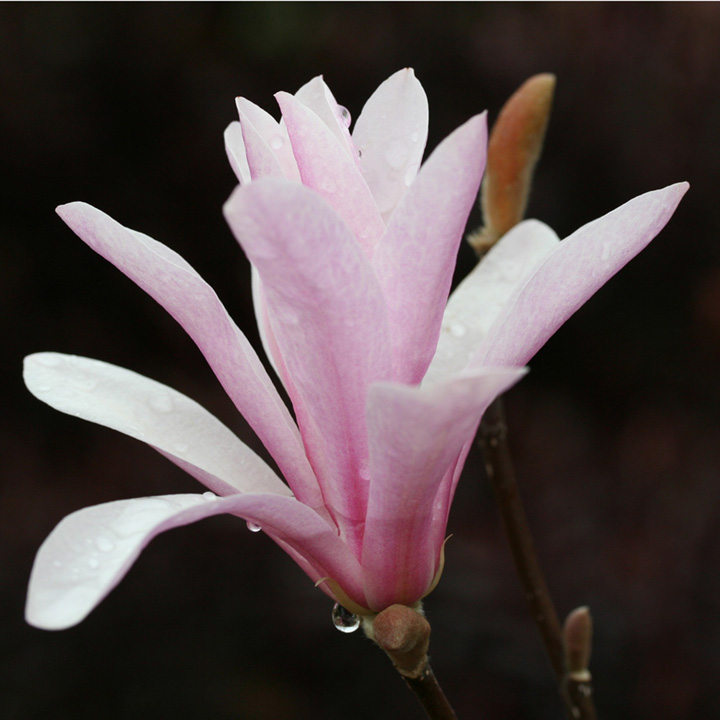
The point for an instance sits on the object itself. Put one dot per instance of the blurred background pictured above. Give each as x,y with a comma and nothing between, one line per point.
616,431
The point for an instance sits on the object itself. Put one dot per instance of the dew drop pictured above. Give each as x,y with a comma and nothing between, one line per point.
93,563
457,330
161,403
344,620
253,527
328,185
43,388
345,118
415,137
180,447
57,563
83,383
396,155
276,142
49,360
104,545
210,495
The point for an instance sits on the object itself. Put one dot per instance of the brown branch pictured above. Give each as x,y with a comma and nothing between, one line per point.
575,687
430,694
404,634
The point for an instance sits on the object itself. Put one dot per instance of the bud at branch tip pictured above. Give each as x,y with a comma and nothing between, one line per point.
513,151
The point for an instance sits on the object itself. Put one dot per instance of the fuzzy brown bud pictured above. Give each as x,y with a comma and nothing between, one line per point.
513,151
404,634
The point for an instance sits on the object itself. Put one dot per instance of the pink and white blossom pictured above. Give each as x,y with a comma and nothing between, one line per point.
352,244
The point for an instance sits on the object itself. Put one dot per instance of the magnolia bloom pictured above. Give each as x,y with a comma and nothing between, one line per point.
352,245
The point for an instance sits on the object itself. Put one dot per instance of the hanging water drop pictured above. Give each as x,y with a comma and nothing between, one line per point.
253,527
344,620
345,118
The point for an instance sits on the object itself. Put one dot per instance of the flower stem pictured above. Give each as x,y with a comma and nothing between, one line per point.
404,634
492,438
431,696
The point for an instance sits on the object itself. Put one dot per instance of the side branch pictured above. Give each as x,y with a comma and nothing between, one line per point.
431,696
404,634
492,438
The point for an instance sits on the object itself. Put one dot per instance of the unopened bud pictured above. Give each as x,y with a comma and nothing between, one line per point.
404,634
577,640
513,151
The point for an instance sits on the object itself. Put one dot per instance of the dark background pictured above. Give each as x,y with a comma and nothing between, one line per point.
615,431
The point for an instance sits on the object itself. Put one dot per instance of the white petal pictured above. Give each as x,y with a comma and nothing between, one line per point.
167,420
478,300
390,134
235,149
91,550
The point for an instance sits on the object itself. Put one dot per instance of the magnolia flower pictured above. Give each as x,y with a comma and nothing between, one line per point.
352,245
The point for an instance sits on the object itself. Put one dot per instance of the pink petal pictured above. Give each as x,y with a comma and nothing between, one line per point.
265,136
478,300
416,257
267,336
90,551
328,317
326,167
416,435
167,278
163,418
262,161
572,273
316,96
235,150
391,133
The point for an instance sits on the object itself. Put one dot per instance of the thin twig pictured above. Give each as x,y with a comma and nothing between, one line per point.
404,634
492,438
431,696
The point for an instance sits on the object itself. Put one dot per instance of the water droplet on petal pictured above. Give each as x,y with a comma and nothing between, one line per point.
345,118
161,403
327,185
83,383
344,620
104,545
49,360
57,563
253,527
93,563
276,142
415,137
396,155
180,447
43,388
457,330
210,495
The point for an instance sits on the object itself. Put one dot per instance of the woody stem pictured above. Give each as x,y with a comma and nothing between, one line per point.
492,438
